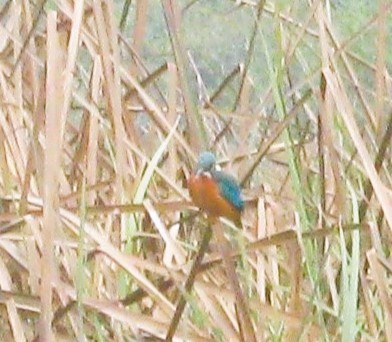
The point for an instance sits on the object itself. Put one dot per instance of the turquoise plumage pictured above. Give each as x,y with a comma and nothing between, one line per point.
229,188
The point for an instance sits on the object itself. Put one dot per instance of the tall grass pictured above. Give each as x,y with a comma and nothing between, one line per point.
104,109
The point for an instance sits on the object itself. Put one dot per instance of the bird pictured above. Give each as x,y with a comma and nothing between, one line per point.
216,193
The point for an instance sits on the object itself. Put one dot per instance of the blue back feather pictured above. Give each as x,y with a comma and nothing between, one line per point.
229,188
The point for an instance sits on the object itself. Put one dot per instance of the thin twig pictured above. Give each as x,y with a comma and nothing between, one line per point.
189,283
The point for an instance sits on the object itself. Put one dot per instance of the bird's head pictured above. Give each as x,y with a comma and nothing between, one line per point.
206,162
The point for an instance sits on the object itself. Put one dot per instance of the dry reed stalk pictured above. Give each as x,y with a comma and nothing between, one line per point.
379,278
53,140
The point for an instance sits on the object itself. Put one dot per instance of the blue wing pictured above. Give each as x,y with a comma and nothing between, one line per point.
229,189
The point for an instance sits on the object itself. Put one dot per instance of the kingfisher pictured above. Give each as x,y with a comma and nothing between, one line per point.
215,192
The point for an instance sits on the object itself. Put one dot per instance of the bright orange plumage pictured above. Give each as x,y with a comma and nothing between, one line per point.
214,192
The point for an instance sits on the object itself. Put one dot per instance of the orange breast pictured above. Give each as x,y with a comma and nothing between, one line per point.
205,194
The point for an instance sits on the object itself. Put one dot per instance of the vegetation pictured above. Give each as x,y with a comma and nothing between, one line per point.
105,107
